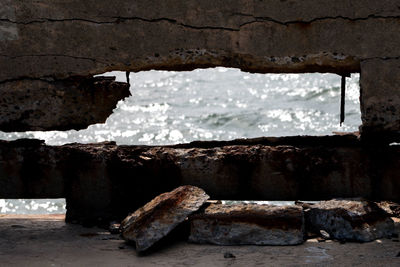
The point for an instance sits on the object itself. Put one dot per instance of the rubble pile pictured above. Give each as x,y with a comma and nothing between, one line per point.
241,223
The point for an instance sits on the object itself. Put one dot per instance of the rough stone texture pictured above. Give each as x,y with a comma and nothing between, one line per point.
160,216
248,224
350,220
73,103
105,181
60,39
380,99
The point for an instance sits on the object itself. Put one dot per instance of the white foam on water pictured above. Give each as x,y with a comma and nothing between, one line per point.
32,206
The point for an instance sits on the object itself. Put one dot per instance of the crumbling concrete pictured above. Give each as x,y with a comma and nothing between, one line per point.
105,181
160,216
380,99
241,223
58,40
248,224
74,103
350,220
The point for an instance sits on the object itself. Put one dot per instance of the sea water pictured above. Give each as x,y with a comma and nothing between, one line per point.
209,104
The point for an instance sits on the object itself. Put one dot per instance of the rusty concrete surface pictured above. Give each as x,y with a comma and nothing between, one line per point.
46,240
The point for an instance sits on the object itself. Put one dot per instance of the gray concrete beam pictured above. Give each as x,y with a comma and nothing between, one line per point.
67,38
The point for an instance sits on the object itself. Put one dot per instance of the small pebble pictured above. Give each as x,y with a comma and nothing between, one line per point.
114,228
228,255
324,234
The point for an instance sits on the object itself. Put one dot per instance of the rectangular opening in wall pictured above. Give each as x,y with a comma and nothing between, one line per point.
169,107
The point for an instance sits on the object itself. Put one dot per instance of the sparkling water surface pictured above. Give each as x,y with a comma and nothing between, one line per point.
209,104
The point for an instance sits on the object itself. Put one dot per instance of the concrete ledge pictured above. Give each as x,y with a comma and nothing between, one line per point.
104,181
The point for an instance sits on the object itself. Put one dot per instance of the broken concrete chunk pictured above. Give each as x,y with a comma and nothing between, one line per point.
353,220
248,224
157,218
74,103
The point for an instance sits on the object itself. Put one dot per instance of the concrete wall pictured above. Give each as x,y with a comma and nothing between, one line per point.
105,181
52,40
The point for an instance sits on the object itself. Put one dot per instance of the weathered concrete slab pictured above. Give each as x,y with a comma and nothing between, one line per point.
350,220
73,103
160,216
105,181
60,39
248,224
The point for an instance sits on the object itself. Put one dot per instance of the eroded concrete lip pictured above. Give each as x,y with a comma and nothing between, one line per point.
248,224
73,103
156,219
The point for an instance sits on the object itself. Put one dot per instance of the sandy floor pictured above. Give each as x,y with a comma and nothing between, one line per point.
48,241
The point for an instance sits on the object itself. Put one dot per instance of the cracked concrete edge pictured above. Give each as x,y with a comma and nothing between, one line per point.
235,35
289,11
116,20
48,104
